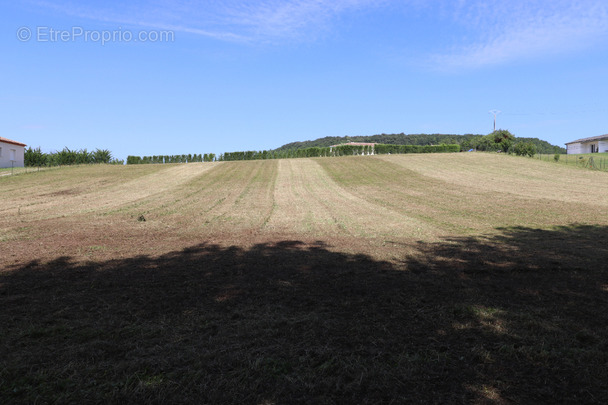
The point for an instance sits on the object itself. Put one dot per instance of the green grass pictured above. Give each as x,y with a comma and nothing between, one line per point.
600,160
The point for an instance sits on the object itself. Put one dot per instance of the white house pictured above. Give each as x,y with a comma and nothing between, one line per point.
12,153
594,144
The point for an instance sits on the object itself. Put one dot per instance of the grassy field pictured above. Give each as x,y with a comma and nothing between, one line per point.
599,161
22,170
459,278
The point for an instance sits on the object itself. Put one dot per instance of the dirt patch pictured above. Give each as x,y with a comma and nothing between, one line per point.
62,193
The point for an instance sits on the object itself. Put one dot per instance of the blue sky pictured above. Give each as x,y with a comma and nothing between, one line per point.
187,76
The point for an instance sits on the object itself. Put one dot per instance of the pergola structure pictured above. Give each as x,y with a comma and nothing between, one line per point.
370,150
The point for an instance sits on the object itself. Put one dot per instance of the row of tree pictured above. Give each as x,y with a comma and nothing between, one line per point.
340,150
37,158
275,154
160,159
382,149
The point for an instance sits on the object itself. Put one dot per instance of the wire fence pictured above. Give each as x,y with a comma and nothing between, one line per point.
597,162
14,171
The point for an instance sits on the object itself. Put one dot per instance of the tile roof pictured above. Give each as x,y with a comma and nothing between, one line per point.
6,140
591,139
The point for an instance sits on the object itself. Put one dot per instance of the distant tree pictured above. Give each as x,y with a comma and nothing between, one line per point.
498,140
35,157
101,156
525,149
133,160
466,142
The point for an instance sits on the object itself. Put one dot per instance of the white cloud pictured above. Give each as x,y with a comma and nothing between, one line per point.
236,20
475,33
504,32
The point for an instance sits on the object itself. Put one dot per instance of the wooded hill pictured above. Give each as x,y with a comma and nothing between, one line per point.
466,142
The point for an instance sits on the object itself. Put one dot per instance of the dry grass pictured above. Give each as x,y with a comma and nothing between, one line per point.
419,197
582,161
89,189
446,192
514,175
432,278
309,202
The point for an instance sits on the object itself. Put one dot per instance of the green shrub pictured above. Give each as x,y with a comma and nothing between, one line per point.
524,149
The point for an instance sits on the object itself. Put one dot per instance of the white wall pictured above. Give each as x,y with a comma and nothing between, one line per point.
574,148
601,146
7,154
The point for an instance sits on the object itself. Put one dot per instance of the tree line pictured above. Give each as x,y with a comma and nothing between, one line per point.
37,158
503,141
161,159
466,142
340,150
500,140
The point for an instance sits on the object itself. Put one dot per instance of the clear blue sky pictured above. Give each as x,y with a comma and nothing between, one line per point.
185,76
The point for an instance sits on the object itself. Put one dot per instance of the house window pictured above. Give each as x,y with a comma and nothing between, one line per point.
0,152
13,154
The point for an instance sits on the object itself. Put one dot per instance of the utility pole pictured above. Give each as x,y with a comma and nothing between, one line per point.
495,113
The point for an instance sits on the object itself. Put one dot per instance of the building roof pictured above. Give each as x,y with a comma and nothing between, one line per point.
591,139
5,140
355,144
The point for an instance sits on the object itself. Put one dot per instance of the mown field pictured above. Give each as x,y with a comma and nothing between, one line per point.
589,161
448,278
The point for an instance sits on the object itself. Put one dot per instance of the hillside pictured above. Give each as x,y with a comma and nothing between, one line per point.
216,197
425,278
466,141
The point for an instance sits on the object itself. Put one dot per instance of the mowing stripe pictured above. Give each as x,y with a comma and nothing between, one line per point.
309,201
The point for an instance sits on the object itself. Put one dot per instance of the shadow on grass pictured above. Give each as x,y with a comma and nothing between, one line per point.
519,317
